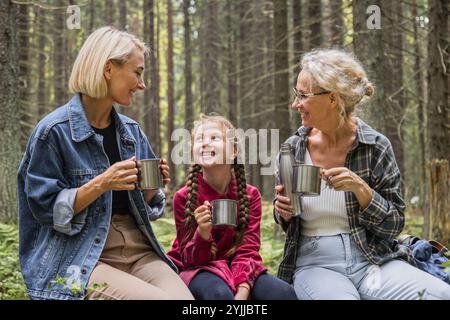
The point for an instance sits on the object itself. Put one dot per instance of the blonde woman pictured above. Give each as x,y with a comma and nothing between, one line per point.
341,246
80,217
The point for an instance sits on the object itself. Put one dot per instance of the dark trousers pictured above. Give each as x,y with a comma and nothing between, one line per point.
207,286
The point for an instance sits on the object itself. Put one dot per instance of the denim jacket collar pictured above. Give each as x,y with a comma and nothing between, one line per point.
81,129
364,133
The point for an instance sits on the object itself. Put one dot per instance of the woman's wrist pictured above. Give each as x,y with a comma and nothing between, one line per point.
87,194
98,184
363,194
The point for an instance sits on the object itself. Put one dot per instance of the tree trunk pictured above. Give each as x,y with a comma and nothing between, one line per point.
70,50
326,20
42,63
269,88
210,77
297,34
244,63
298,46
123,15
26,115
149,35
245,75
381,53
257,85
231,61
134,110
315,18
59,50
109,7
147,71
438,119
439,227
152,113
438,80
368,46
170,92
9,117
421,99
281,76
338,29
91,16
157,79
394,103
189,106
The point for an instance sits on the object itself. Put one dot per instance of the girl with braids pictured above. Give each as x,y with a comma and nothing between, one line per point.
220,262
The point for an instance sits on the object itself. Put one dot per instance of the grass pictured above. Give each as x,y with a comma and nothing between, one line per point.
272,242
11,281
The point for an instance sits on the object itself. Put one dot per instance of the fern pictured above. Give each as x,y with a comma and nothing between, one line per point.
11,281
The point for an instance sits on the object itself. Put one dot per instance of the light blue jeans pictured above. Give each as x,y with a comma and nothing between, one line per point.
334,268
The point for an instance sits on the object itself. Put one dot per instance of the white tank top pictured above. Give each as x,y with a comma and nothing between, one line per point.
324,215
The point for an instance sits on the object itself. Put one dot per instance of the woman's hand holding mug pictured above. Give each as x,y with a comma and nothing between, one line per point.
120,176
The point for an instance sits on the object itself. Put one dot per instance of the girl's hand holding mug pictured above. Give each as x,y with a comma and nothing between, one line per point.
203,218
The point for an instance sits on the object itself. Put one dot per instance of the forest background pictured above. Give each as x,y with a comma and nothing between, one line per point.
239,59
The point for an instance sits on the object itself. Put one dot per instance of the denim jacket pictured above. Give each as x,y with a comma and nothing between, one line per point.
62,154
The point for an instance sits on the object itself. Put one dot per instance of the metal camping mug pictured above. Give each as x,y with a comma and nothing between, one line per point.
224,212
306,180
149,174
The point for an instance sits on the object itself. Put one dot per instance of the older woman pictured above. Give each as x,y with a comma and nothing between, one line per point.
82,223
341,244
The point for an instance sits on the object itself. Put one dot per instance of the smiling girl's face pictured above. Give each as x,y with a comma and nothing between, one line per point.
211,145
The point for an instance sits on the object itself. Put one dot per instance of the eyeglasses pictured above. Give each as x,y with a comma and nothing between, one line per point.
303,96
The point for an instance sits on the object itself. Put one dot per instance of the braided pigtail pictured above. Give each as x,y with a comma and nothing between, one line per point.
191,201
243,206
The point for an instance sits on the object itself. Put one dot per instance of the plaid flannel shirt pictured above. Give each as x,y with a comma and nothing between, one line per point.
374,228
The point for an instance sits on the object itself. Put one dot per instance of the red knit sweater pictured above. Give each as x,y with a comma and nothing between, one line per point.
195,255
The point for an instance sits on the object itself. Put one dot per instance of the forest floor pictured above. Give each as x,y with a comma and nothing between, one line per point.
272,242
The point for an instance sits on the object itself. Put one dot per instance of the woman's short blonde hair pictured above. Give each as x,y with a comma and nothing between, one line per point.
101,46
340,72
